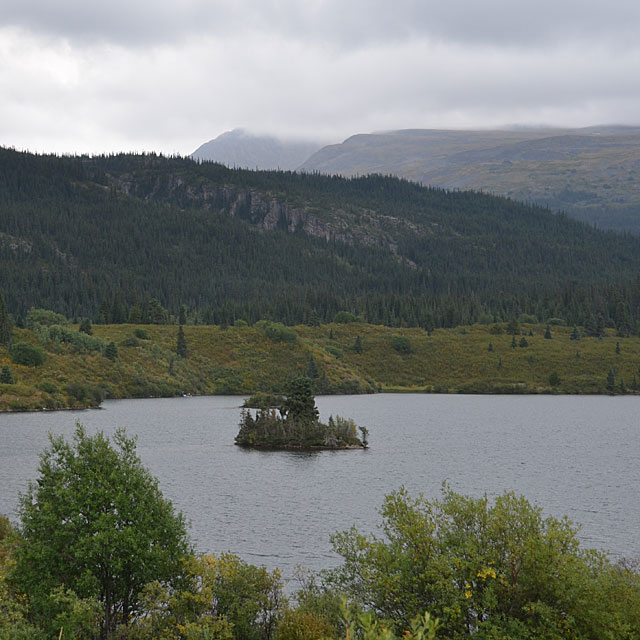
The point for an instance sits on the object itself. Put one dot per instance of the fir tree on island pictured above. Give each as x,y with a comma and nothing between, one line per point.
295,424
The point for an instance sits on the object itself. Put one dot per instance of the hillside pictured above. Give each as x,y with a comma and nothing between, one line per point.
591,174
240,148
244,360
105,236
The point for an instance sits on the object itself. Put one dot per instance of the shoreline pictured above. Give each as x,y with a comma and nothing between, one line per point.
392,390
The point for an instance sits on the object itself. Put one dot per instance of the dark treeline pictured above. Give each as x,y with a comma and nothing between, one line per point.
112,237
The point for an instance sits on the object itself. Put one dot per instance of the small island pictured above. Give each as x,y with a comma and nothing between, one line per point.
295,424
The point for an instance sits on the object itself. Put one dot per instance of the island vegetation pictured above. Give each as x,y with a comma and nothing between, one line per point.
295,424
99,553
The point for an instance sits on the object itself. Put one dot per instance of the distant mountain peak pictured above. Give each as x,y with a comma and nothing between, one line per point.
243,149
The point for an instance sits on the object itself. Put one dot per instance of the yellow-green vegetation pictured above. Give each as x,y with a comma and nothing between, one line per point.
339,358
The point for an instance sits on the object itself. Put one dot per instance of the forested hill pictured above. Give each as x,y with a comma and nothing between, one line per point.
101,236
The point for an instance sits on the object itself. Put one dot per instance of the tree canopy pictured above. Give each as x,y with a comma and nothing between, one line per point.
487,570
96,523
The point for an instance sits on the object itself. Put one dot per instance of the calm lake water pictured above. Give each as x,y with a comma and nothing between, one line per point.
572,455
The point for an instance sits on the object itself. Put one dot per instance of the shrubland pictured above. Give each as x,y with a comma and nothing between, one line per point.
58,367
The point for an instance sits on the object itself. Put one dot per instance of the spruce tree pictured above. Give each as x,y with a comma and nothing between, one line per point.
111,351
547,333
5,323
6,377
181,344
357,345
312,369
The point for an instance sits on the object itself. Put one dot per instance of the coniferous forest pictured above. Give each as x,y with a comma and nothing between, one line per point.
136,237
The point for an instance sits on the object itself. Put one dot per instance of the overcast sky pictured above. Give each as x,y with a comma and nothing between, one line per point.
168,75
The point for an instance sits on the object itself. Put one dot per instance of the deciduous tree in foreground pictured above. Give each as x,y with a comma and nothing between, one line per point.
95,522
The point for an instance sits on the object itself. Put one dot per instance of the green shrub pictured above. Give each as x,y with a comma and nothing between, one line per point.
334,351
48,387
277,332
43,317
556,322
27,354
130,341
141,334
344,317
458,555
401,344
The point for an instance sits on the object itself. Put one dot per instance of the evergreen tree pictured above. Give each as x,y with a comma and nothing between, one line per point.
523,342
514,344
357,345
611,381
513,327
623,320
490,346
5,323
6,377
617,348
312,369
300,403
182,315
104,314
575,334
135,314
111,351
118,313
181,344
590,326
547,333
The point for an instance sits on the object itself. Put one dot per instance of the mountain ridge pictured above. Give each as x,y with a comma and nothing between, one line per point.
591,173
77,233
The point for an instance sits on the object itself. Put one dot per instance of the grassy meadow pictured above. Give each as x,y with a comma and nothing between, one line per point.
243,360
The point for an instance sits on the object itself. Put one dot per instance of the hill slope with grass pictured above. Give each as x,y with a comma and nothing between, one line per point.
339,358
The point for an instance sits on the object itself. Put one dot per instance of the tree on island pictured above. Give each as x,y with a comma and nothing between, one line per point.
296,424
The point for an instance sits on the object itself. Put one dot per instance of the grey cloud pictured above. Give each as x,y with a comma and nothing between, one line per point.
344,24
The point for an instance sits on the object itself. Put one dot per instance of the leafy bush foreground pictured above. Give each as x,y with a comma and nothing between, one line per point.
99,553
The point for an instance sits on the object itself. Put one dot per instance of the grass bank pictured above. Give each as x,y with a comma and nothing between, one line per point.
341,358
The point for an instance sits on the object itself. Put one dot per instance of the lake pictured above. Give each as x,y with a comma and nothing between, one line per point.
573,455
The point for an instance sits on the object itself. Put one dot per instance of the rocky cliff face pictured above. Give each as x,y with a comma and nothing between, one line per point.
364,226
